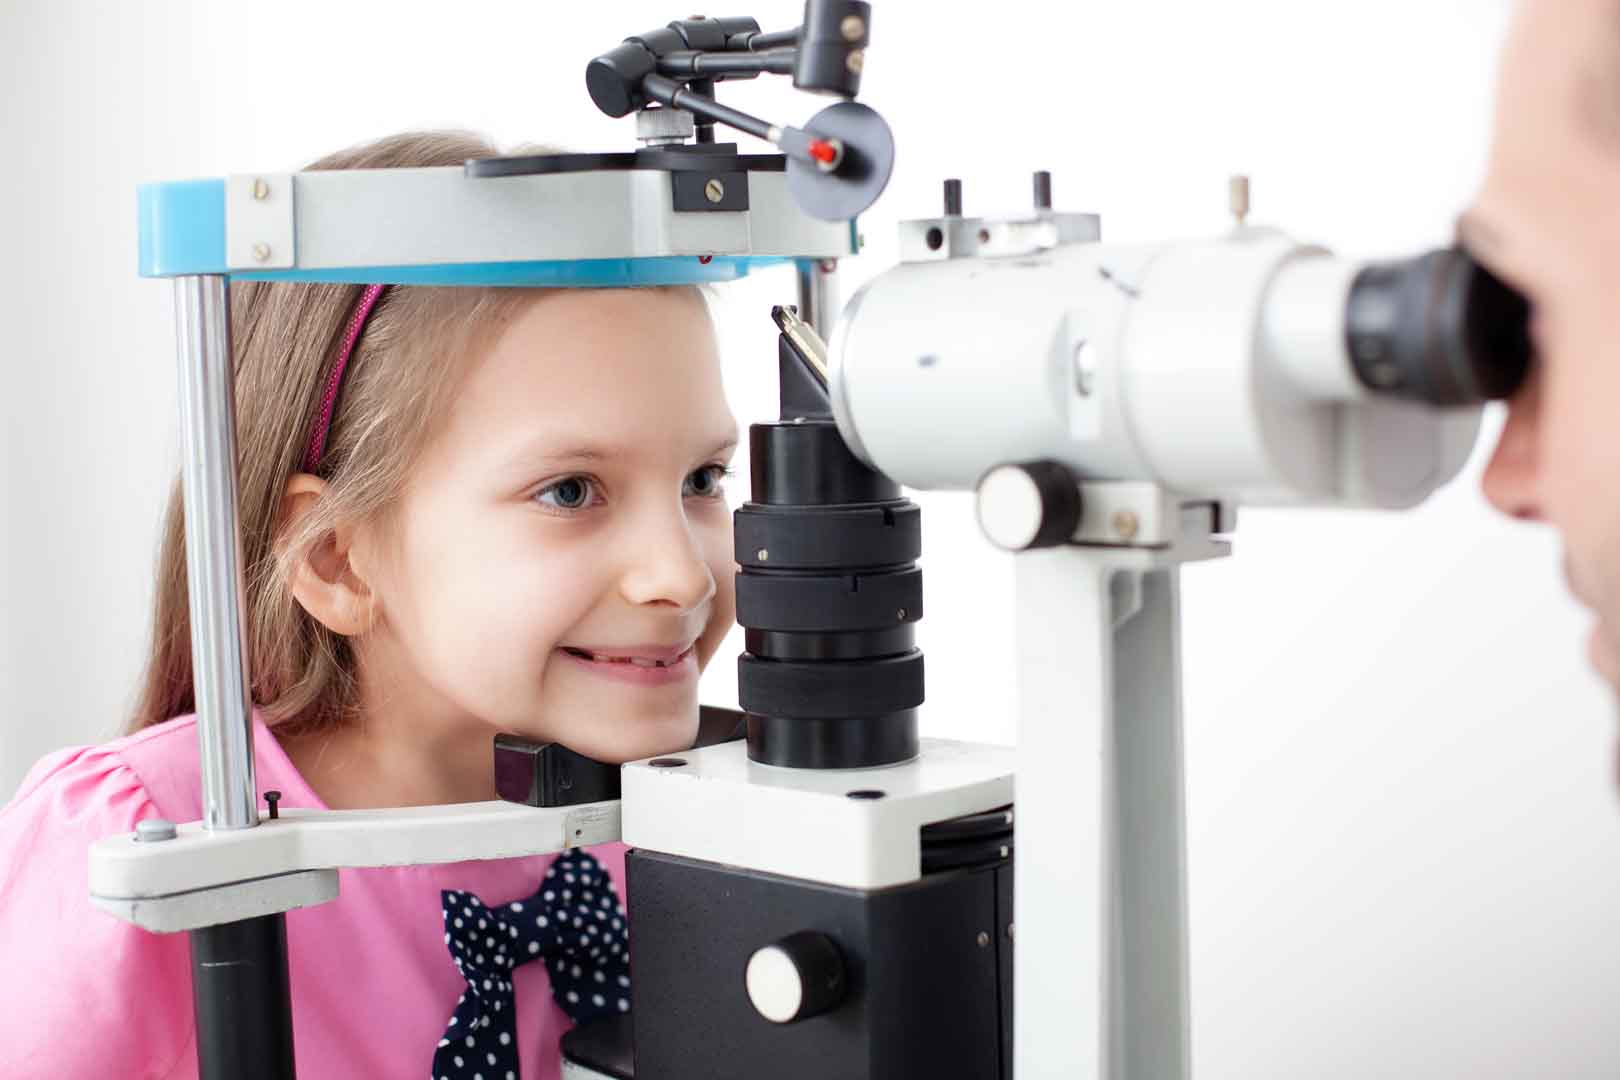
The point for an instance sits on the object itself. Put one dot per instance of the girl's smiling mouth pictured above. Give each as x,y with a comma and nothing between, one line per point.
641,665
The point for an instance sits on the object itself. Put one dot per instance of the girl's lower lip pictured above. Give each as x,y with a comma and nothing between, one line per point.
636,675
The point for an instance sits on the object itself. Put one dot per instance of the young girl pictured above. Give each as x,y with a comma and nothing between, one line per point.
464,512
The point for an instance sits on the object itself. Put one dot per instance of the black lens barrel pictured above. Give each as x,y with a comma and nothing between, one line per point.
1438,328
829,594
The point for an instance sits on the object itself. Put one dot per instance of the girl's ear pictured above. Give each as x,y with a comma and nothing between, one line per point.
325,580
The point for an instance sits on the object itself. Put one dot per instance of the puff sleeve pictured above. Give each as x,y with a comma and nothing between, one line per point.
84,994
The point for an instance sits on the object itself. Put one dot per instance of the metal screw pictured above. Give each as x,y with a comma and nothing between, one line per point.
261,251
852,27
901,614
1126,523
273,797
261,189
984,940
154,829
1085,368
763,555
855,61
714,191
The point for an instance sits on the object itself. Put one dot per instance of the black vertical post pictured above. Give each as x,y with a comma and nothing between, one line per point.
243,1000
703,127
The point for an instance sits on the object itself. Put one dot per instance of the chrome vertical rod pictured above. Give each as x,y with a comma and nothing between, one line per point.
818,294
214,551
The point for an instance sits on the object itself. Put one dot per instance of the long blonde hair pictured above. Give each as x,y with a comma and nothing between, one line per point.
285,338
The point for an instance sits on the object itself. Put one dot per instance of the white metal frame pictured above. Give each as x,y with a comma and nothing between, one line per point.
1100,888
130,877
343,219
801,823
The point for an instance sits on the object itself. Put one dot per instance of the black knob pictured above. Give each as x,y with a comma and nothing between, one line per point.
798,977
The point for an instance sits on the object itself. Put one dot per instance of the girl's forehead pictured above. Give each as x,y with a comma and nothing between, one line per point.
617,369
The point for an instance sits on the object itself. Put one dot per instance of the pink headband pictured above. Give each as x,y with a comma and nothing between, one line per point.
351,337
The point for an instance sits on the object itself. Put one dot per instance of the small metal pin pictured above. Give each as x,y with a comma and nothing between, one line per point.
1126,524
855,61
273,797
714,191
261,251
984,940
852,27
763,555
261,189
953,198
1237,197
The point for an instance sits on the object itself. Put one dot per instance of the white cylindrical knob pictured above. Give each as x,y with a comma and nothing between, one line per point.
1028,506
797,977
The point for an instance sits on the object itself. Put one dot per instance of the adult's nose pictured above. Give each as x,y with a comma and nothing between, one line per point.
1512,479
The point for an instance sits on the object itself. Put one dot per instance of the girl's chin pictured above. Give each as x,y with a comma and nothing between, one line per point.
632,738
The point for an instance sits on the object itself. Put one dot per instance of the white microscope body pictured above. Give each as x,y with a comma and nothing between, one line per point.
1169,383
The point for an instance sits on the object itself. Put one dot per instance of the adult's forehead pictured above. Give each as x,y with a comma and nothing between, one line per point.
1549,145
1561,58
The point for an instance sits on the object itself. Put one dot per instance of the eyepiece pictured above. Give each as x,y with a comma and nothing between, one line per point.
1438,328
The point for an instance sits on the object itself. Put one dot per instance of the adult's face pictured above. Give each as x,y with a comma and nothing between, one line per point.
1547,219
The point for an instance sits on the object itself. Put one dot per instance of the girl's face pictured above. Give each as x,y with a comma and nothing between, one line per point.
567,530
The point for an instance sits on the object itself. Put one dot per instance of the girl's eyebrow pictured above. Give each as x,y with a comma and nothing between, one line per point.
597,452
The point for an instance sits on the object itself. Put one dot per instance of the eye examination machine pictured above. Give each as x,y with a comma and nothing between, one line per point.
816,890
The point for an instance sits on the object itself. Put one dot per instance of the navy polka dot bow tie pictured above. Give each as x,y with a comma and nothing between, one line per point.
574,921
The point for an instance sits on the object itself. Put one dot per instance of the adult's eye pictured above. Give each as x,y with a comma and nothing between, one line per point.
569,493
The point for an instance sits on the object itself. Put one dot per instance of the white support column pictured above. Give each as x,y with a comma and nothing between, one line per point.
1101,907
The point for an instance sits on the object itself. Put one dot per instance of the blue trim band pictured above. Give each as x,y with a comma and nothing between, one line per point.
182,228
577,273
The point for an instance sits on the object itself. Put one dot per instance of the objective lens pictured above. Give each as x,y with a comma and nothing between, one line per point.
1438,328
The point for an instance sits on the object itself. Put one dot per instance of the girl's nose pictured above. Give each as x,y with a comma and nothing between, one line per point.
1512,480
667,566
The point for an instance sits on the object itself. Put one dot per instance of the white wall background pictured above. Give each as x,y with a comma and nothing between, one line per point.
1405,853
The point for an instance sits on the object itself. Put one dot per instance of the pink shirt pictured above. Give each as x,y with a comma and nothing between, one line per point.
88,995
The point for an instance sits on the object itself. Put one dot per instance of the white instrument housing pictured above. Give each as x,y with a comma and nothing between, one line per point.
1214,368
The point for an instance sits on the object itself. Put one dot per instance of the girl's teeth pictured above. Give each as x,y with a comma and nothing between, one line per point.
638,661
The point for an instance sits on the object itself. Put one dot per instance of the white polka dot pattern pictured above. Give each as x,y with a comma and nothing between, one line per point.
581,932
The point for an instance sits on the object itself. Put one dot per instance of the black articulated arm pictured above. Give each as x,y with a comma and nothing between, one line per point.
840,161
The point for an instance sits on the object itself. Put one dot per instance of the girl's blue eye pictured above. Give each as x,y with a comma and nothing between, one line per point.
707,482
569,493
